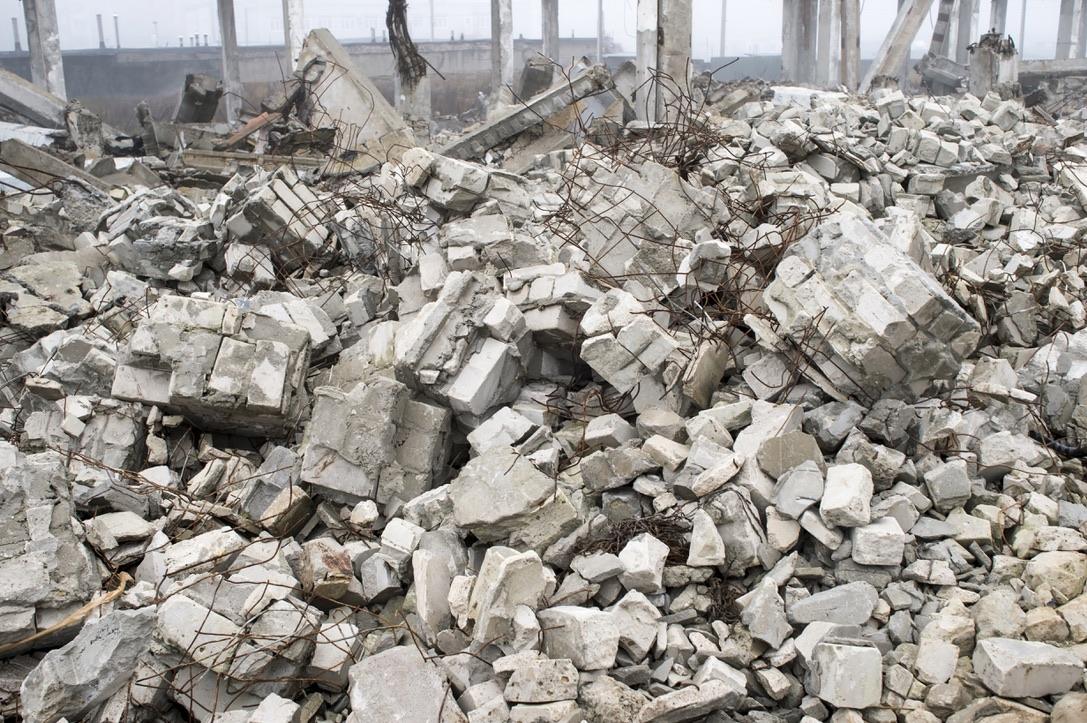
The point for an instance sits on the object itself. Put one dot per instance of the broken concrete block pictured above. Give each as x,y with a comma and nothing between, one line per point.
587,637
496,493
847,496
883,322
224,369
798,489
399,684
690,703
707,549
879,543
643,561
204,635
542,681
845,675
72,680
1025,669
849,604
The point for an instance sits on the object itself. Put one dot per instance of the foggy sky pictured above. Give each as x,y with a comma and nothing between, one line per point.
754,26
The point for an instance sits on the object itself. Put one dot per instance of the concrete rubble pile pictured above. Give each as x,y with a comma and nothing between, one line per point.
792,431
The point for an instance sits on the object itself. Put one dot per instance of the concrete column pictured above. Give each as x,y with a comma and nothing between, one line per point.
967,31
551,29
15,35
800,24
790,40
645,61
1081,39
998,16
1068,28
294,34
600,31
501,50
952,32
993,62
939,44
1022,39
101,32
674,53
851,43
414,104
232,74
43,40
829,53
906,64
724,18
896,45
117,31
809,12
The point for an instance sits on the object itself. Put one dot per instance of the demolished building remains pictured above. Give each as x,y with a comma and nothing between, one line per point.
769,407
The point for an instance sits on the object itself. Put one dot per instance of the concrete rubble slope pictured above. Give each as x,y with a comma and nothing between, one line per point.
775,411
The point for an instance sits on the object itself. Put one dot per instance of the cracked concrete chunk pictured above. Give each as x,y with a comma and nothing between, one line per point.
70,681
1025,669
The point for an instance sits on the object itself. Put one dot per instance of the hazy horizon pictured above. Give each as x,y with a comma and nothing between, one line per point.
750,30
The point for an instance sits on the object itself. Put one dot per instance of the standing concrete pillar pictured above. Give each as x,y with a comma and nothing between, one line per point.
501,49
724,25
896,46
790,40
998,16
414,104
101,33
232,74
809,11
851,43
939,45
1081,38
550,29
600,31
674,36
829,53
294,33
967,30
907,64
43,40
1022,39
15,35
993,62
645,60
799,28
1068,28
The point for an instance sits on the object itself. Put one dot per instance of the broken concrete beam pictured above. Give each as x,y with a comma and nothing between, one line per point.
493,132
41,169
896,45
339,91
35,104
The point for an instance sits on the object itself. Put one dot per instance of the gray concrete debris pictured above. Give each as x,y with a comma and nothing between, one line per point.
221,366
783,419
71,681
400,685
883,322
1025,669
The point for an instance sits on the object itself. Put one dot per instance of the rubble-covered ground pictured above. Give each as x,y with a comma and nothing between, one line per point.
776,411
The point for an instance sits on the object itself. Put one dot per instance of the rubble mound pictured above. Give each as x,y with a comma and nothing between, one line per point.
774,411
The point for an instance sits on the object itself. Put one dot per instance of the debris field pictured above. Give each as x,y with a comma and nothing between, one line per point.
772,411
